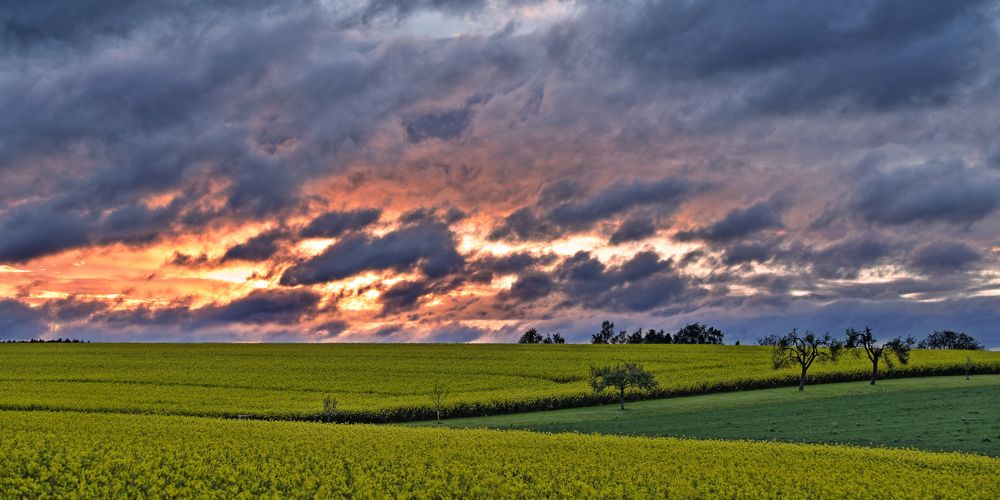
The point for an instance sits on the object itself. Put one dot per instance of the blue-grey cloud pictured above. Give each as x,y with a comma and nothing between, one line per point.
738,223
429,247
945,256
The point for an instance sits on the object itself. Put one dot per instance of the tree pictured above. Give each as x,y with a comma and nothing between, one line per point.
771,340
947,339
621,376
604,336
803,351
555,338
620,338
696,333
657,337
438,394
530,337
635,337
897,348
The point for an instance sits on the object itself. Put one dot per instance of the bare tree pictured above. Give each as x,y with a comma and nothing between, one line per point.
621,377
897,348
438,395
792,350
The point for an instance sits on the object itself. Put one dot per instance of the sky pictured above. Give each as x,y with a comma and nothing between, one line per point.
462,170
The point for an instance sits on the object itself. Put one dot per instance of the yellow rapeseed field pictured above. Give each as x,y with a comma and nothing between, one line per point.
66,454
376,383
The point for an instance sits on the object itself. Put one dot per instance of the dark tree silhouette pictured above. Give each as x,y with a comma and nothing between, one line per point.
530,337
947,339
555,338
533,337
696,333
621,376
792,350
635,337
771,340
864,340
657,337
620,338
605,335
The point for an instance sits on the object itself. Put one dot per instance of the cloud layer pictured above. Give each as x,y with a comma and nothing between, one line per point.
462,170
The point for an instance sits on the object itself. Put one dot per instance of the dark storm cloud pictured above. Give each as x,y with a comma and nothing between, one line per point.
641,283
18,321
404,295
256,249
845,259
68,309
634,228
29,23
738,223
757,251
943,257
398,9
32,231
484,269
429,247
531,286
444,125
580,211
334,224
263,306
949,192
38,229
795,55
197,115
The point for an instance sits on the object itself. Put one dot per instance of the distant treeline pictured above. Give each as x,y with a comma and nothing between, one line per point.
43,341
695,333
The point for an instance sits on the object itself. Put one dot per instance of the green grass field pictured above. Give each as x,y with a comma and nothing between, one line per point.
67,454
932,413
383,382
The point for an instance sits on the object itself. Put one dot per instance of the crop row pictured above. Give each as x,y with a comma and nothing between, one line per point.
124,456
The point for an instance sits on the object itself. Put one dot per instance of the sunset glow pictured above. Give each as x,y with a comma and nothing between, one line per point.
442,171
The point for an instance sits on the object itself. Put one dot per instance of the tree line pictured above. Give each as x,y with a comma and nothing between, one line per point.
793,349
694,333
940,339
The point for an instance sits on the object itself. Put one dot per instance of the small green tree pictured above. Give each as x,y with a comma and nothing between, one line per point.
864,340
793,349
621,376
438,395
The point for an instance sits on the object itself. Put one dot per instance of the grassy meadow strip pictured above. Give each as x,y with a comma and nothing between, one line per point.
64,454
389,383
928,413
